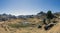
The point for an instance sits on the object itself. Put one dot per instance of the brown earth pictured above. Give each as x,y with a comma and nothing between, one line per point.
5,28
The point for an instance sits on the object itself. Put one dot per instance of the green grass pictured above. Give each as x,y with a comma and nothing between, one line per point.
19,25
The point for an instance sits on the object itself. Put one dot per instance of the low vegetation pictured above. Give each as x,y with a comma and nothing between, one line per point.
19,25
42,22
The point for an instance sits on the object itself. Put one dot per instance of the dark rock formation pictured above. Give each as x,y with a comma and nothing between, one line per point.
47,27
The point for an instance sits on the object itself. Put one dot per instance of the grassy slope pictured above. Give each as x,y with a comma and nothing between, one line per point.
7,29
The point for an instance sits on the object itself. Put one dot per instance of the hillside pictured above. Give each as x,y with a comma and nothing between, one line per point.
28,24
30,28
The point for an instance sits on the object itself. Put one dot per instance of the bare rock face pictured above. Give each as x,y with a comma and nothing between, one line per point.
49,26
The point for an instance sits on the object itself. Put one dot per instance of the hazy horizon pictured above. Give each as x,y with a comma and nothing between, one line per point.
28,7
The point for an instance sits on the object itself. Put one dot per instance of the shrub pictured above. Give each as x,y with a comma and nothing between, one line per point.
49,15
39,26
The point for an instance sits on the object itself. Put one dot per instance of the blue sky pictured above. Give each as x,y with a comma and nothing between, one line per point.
28,7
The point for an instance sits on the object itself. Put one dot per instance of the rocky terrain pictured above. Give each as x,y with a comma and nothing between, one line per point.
29,24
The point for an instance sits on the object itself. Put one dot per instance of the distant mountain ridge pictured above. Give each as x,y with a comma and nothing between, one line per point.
4,16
